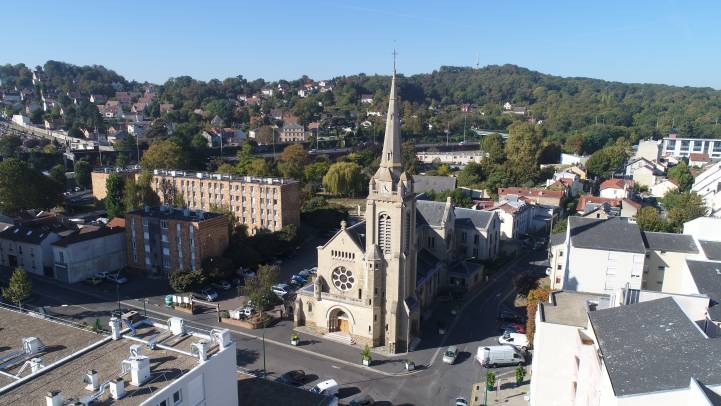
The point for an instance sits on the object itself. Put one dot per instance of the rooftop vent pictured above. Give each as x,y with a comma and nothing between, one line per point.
117,388
92,380
53,398
176,326
137,365
115,328
222,337
200,350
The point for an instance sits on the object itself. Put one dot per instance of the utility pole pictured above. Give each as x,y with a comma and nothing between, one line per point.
465,119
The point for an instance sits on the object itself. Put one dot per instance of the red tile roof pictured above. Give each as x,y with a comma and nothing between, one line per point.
585,199
532,192
617,184
699,157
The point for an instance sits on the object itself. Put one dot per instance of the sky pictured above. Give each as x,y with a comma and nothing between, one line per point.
664,41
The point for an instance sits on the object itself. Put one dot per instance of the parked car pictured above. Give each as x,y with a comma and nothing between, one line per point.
248,311
246,273
117,278
299,279
362,400
517,340
102,275
294,378
449,357
225,285
499,355
461,402
281,289
328,387
206,294
313,270
511,316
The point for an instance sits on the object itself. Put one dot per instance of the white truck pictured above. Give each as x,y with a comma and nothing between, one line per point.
499,355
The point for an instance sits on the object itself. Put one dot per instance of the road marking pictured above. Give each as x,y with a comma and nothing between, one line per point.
335,366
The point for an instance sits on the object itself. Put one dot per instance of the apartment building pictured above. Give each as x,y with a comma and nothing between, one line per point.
259,203
684,147
708,185
292,133
165,239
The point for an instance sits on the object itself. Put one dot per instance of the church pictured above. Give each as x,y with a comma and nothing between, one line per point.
375,277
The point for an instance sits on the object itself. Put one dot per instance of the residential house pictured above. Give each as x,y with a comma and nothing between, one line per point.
21,120
226,136
477,233
165,239
515,216
662,187
92,249
267,91
166,107
534,195
698,159
137,128
292,133
97,98
557,259
366,99
616,188
643,172
571,182
572,159
29,243
54,124
708,185
665,257
603,255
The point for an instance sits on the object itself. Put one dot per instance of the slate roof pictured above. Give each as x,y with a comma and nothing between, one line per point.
472,218
707,276
653,346
426,183
613,234
426,263
84,235
430,212
464,269
712,249
357,232
34,232
713,398
670,242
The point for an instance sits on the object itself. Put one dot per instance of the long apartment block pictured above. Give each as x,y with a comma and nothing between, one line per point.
259,203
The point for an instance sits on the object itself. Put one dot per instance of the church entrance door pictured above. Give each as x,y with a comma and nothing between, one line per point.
343,325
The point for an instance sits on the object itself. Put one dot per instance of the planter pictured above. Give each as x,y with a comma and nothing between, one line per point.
490,387
294,342
181,309
367,362
410,366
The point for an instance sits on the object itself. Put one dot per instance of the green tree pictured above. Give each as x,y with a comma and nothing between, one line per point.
82,173
183,281
682,207
344,179
163,154
604,161
114,200
292,161
648,219
23,188
682,176
10,145
314,172
471,175
257,289
57,173
19,288
259,167
523,148
492,144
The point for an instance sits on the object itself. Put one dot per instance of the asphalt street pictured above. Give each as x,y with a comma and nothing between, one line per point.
436,383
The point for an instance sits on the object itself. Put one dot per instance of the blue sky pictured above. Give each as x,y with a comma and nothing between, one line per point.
629,41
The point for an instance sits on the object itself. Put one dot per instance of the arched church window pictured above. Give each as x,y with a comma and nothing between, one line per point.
342,278
384,233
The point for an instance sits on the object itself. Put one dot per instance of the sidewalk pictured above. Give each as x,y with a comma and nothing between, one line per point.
506,392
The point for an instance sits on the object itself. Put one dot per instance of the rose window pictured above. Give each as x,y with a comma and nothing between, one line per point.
343,279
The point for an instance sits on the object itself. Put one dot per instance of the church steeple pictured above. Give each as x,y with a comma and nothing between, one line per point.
391,157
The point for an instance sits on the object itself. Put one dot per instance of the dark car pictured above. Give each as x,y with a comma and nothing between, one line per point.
294,378
511,316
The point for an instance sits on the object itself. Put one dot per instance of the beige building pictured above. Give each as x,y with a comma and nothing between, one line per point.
665,257
259,203
292,133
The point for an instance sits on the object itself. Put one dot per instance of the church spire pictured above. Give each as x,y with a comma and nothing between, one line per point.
391,157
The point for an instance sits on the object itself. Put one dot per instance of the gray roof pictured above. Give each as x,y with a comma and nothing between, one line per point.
426,264
613,234
430,212
712,249
35,232
707,276
358,233
670,242
653,346
426,183
479,219
570,308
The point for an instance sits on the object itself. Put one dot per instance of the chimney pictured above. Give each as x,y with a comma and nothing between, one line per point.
36,364
117,388
222,337
177,326
53,398
200,349
92,380
115,328
139,370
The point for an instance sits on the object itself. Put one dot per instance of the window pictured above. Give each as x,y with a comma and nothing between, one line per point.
310,307
163,403
560,253
384,233
164,224
698,146
177,397
342,278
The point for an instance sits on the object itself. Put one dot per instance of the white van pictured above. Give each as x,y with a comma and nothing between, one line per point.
498,355
517,340
327,388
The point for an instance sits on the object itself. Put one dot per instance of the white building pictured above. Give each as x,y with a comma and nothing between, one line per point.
451,158
516,217
616,188
603,255
708,185
29,244
683,147
140,363
91,250
21,120
571,159
649,150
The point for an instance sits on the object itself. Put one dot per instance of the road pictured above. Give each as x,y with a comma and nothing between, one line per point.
435,384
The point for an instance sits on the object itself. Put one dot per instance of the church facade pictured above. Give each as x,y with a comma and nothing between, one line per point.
367,285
